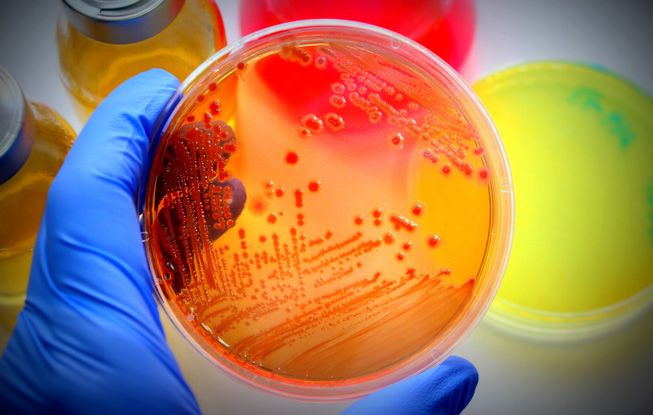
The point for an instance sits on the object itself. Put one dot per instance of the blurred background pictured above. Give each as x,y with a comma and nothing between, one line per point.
608,374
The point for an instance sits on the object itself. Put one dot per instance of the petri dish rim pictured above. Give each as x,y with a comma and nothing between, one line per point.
499,240
541,325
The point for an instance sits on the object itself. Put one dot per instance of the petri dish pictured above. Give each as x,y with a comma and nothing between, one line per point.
581,151
328,209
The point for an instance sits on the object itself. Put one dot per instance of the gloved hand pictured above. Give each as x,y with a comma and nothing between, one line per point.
89,339
442,390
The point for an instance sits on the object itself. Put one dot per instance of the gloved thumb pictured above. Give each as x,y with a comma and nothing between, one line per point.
113,146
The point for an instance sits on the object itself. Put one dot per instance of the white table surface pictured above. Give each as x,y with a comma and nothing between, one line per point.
612,374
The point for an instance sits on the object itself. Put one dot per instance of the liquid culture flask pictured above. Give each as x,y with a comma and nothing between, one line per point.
102,43
446,27
328,209
34,141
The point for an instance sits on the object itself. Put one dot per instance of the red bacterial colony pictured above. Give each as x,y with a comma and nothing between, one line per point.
292,157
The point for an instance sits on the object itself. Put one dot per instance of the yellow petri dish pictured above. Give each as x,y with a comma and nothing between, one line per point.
580,144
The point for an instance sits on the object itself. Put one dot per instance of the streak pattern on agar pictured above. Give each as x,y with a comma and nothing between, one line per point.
287,295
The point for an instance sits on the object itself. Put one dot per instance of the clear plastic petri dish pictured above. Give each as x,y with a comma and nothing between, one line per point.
581,151
328,209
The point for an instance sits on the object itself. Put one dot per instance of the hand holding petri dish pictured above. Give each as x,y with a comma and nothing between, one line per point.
328,209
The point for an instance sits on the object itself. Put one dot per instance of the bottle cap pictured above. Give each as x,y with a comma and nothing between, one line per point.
121,21
16,128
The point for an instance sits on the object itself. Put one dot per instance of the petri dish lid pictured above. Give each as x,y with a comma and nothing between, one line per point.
315,215
580,144
121,21
15,138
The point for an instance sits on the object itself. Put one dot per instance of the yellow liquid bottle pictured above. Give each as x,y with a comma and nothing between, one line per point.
101,44
34,141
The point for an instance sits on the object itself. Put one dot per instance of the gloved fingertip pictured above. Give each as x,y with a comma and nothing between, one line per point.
143,95
444,389
461,366
152,78
461,378
114,143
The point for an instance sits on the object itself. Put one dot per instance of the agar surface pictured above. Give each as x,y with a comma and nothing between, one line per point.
296,250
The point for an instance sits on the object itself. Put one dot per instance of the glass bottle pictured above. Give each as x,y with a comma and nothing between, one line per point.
34,141
103,43
446,27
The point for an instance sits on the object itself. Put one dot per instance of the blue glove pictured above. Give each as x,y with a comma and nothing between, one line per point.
89,339
445,389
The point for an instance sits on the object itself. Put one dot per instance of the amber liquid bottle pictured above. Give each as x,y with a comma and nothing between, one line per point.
101,44
34,141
